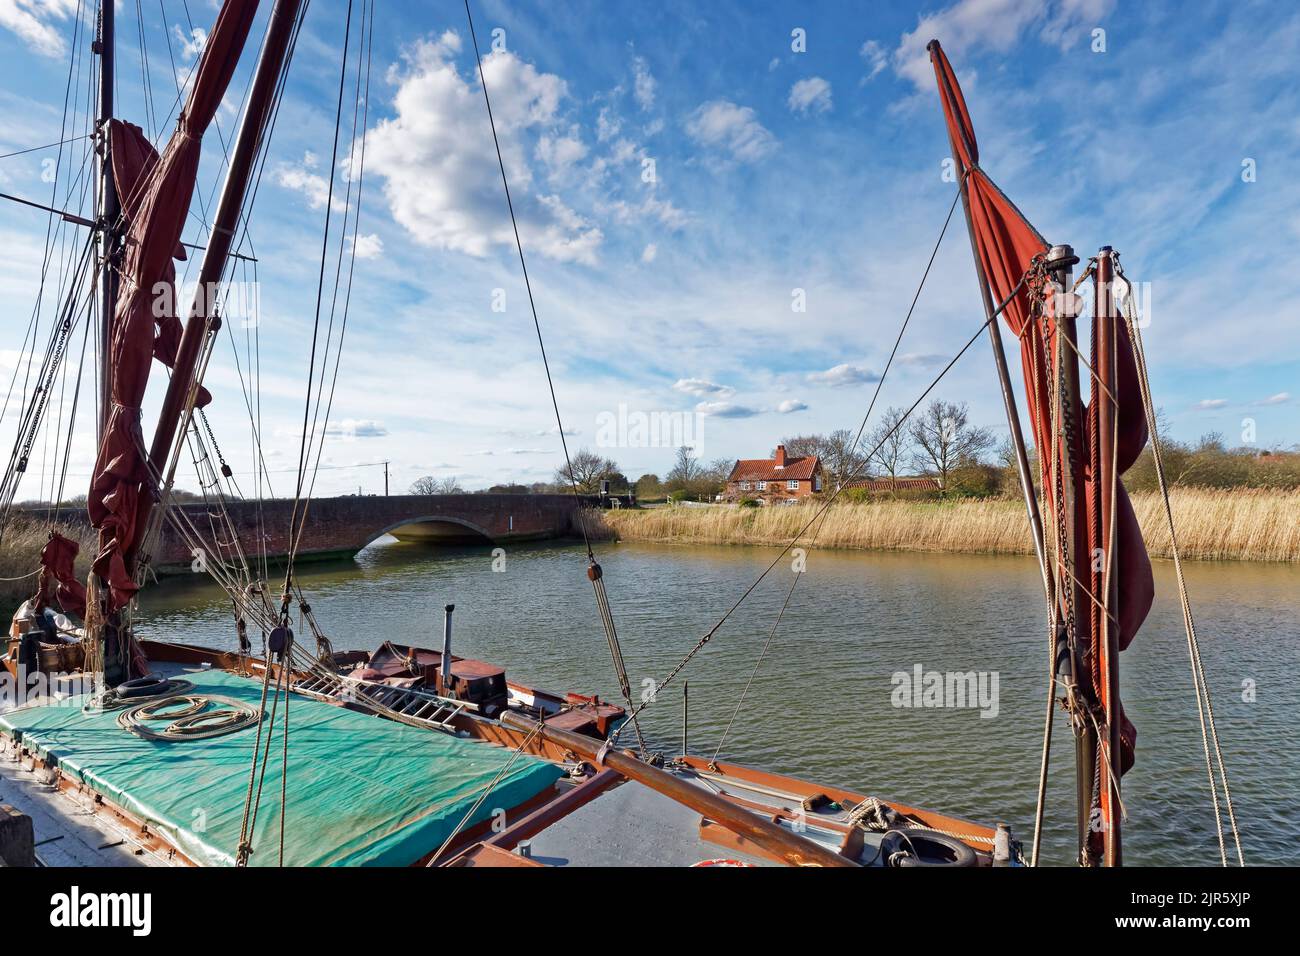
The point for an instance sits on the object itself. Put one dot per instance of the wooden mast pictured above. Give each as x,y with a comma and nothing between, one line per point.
109,205
1105,636
201,322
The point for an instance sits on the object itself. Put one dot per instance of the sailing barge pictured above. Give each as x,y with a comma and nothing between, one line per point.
406,755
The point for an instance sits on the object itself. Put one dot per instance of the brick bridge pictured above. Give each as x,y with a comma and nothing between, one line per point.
340,527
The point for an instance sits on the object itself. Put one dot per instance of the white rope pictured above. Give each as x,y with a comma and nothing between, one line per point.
1205,709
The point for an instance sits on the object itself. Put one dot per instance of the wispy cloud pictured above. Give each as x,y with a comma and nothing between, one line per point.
33,21
725,410
811,95
1210,404
842,375
731,130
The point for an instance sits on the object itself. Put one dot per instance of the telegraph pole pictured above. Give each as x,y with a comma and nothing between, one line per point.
385,479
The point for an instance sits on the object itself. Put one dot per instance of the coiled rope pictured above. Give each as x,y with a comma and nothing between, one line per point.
189,717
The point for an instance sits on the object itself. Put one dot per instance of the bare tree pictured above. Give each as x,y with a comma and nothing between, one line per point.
888,444
589,469
429,485
686,469
945,439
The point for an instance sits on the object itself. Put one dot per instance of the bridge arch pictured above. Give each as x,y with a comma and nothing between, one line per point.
434,529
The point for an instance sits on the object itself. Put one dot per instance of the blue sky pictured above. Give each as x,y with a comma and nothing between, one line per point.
774,170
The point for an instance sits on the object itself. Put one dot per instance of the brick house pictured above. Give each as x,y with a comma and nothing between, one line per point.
771,480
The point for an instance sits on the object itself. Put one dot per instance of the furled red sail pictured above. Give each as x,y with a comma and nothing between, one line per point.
1009,249
156,205
59,586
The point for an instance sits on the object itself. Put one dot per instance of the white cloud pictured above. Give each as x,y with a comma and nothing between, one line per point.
701,387
607,124
560,154
725,410
875,56
842,375
32,21
812,95
1069,20
436,156
649,253
300,178
192,43
356,428
734,130
971,25
643,89
922,359
368,246
791,405
1281,398
1209,404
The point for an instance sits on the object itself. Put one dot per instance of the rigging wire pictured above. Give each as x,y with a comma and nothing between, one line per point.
594,571
850,457
1205,708
294,530
708,635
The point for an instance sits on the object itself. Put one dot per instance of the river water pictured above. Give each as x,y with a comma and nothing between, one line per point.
825,703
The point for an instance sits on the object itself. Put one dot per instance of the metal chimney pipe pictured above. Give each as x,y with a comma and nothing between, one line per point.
446,650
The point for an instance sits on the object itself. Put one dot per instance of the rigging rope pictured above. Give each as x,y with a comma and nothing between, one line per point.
708,635
594,572
1205,709
849,456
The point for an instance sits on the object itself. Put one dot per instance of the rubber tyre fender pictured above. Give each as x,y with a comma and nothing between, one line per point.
141,686
939,849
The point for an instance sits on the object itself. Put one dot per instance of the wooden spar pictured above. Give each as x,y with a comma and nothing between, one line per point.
243,159
1071,612
109,208
783,844
1106,640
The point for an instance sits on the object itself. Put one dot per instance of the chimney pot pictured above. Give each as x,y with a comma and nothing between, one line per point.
780,456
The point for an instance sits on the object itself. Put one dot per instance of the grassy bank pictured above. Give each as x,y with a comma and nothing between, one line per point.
1251,525
20,555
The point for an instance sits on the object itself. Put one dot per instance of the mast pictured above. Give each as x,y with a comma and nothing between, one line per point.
108,202
1105,635
1073,595
201,322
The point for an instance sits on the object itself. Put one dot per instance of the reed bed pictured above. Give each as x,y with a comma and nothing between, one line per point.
20,555
1240,524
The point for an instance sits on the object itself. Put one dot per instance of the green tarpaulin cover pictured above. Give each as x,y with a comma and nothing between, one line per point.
362,790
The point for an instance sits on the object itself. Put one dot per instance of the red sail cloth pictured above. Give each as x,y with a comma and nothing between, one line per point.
157,206
59,585
1006,245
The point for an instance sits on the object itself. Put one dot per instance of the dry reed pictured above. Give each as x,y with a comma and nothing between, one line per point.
20,555
1242,524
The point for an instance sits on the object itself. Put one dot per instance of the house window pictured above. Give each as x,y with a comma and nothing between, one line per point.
817,484
744,486
762,486
793,484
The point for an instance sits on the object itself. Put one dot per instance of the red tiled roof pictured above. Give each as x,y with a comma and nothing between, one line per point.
764,469
895,484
